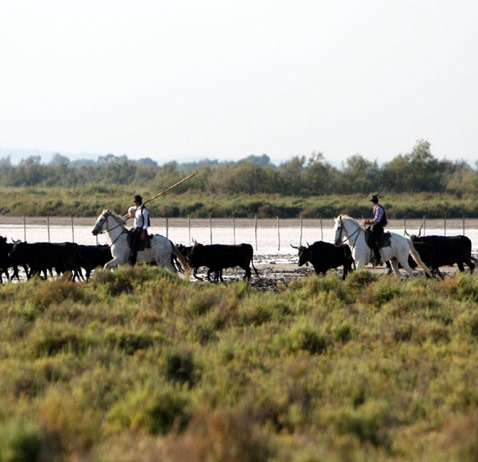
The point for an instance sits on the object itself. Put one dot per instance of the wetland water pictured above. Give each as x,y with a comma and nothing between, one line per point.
267,236
275,260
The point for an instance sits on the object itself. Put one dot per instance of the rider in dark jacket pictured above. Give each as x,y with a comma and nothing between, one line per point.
378,222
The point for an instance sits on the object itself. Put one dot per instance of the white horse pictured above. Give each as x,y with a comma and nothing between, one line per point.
348,230
160,252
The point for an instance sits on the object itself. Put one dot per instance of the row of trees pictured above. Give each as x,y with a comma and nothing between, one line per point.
417,171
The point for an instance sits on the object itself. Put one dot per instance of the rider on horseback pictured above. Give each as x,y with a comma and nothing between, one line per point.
378,222
141,224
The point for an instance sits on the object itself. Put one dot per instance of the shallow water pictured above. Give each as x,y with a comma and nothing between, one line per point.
267,240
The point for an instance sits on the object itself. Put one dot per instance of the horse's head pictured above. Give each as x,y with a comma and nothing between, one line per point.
338,231
100,224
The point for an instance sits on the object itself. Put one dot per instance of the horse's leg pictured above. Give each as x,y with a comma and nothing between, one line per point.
394,263
170,266
114,262
389,266
360,264
163,259
404,262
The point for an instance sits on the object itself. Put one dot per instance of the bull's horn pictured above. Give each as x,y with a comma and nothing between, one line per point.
420,231
308,245
293,246
406,233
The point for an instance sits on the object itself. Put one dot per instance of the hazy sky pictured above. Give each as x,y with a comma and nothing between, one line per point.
184,79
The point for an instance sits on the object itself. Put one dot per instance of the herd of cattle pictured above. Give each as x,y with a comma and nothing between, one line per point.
42,258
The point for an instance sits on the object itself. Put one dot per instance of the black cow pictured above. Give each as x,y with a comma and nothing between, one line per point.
43,257
436,251
217,257
5,260
93,256
325,256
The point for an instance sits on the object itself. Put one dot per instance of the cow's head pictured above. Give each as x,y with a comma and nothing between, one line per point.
18,252
195,255
304,254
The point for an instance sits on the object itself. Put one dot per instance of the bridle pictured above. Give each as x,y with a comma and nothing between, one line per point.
348,238
104,231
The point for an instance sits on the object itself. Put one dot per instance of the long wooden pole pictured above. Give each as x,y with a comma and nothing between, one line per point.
126,217
171,187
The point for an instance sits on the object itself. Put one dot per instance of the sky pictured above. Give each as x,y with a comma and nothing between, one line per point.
186,79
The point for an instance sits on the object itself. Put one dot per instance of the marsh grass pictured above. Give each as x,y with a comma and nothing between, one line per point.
89,200
141,365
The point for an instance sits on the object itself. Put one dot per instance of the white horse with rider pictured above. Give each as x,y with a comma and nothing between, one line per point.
348,231
160,251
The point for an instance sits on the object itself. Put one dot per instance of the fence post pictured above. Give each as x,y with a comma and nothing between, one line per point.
404,225
189,229
444,225
24,229
48,227
278,233
255,231
234,228
167,227
463,225
424,224
300,236
321,230
72,230
210,229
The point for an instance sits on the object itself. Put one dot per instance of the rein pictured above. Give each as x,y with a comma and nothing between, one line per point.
118,225
348,238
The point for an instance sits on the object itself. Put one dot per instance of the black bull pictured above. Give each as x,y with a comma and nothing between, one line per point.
217,257
43,257
437,251
324,256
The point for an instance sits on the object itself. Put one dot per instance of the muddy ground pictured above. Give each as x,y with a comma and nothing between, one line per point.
272,274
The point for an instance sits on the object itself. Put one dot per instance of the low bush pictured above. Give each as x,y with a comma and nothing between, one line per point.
139,364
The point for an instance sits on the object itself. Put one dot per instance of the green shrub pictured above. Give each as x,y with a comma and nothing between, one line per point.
303,337
21,441
180,368
153,408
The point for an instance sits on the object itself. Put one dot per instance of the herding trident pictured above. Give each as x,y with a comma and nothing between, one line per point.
126,217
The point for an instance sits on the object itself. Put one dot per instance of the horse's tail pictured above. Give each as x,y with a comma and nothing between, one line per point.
417,258
182,259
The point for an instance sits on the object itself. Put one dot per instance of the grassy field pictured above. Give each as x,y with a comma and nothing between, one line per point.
91,200
138,365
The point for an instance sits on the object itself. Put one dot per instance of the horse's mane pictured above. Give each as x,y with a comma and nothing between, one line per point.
347,217
117,217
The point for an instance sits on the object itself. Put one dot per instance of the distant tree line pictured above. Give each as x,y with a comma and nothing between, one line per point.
414,172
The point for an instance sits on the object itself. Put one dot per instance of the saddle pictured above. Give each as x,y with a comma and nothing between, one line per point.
382,241
140,244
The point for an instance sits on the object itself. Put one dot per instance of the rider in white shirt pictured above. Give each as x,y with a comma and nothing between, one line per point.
140,226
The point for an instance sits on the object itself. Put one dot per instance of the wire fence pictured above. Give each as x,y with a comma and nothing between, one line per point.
263,233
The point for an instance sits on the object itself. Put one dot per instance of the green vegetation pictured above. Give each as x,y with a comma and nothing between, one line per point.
140,365
411,185
89,201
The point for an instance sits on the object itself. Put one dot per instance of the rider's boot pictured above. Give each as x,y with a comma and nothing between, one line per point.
378,257
132,258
